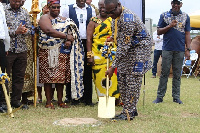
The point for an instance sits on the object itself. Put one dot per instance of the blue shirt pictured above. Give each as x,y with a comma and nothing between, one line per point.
174,38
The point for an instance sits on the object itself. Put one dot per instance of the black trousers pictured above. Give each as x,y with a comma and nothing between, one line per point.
3,66
87,80
17,63
87,77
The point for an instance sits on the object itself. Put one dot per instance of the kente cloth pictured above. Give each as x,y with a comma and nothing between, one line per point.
76,52
58,74
102,31
29,77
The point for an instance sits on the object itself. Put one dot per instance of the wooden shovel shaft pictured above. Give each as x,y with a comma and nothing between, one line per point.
107,79
7,101
7,98
107,83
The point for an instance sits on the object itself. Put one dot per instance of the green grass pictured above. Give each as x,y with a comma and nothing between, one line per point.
167,117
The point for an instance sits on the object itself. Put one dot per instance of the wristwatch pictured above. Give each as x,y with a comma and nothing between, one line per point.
189,49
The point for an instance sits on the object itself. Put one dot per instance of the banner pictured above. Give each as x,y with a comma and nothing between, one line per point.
133,5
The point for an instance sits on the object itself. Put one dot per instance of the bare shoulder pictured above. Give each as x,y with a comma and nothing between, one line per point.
44,18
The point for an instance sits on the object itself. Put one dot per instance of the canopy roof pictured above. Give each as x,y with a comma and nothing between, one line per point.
195,21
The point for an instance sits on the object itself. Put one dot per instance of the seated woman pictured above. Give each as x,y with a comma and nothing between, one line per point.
57,35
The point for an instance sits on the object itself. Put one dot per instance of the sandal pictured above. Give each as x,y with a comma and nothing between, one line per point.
51,106
63,105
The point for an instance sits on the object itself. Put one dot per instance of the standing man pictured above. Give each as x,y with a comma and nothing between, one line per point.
19,26
133,55
81,13
158,40
175,25
4,46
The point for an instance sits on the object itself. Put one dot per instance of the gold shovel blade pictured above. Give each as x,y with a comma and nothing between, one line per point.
106,107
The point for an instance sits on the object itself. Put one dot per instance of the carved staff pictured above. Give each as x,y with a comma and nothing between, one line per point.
34,11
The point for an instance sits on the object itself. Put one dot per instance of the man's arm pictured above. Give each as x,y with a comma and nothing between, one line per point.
161,31
187,43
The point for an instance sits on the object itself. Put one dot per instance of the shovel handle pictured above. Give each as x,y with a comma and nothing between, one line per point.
107,80
7,98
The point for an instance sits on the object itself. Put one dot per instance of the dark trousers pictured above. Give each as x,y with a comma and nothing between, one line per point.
87,80
17,63
157,54
3,66
174,58
87,77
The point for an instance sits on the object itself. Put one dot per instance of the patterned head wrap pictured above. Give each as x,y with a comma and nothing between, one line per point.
53,2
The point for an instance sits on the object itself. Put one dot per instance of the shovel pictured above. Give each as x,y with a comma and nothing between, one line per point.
106,106
7,98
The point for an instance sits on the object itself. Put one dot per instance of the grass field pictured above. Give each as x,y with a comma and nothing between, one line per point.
166,117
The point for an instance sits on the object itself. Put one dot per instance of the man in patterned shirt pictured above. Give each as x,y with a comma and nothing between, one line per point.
19,25
175,25
133,55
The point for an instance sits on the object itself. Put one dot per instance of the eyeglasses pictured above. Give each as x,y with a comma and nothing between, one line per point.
113,11
55,7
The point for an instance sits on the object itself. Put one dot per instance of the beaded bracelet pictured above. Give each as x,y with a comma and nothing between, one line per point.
89,54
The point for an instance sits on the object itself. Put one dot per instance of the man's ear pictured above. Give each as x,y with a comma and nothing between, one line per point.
181,4
119,3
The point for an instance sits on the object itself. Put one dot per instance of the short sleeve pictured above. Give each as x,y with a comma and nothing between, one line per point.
187,26
161,22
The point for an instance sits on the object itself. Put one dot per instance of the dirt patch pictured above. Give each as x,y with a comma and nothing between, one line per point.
77,121
186,115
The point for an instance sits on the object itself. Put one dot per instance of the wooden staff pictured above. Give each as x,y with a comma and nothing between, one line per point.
34,11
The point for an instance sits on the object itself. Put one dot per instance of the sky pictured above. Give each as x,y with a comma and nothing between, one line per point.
153,8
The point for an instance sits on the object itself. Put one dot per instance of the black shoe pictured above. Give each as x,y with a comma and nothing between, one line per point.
25,107
16,105
2,110
75,102
89,104
158,100
135,113
4,107
67,100
122,117
177,101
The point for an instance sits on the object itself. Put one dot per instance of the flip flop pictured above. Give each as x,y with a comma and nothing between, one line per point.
51,106
63,105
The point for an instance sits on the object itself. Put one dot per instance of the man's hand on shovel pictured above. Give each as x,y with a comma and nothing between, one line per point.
110,72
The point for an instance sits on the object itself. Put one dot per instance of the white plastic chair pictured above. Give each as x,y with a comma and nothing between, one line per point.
189,64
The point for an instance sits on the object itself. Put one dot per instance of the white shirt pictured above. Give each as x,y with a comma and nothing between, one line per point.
81,16
3,28
158,39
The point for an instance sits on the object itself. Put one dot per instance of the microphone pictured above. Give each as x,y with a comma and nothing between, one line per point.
175,14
